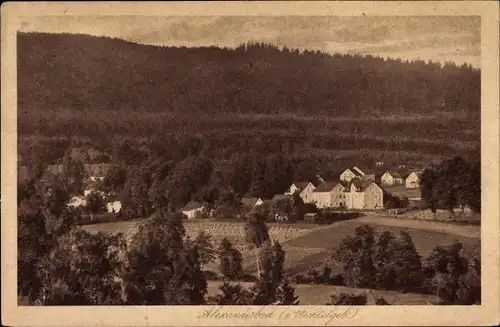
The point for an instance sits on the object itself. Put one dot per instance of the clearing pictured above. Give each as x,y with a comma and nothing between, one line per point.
309,246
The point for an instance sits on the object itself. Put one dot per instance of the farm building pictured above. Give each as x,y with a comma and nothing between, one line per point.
192,208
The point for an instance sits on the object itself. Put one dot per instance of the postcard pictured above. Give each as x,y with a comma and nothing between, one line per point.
250,163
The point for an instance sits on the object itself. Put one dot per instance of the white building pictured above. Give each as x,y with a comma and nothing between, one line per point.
391,178
192,208
114,206
413,180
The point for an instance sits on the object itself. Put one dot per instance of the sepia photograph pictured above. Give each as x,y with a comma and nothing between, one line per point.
214,160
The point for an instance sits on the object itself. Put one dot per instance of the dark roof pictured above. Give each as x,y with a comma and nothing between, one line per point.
277,197
418,172
356,172
325,187
394,173
301,185
249,201
192,205
361,185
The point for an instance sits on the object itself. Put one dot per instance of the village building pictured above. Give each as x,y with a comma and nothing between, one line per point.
329,195
363,195
305,190
355,172
391,178
358,194
192,208
413,179
251,202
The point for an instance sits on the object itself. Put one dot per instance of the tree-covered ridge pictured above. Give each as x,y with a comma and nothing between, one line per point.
99,73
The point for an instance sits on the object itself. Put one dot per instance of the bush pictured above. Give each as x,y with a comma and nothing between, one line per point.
301,279
99,218
348,299
337,279
248,278
230,260
327,271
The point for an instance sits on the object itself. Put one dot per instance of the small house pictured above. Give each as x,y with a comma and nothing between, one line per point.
114,207
351,173
192,208
391,178
413,179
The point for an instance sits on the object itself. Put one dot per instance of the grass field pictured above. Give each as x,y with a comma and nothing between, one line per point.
320,294
310,246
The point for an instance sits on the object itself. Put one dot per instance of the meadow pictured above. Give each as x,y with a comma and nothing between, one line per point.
309,246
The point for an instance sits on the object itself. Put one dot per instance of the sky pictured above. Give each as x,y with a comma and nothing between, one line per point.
436,38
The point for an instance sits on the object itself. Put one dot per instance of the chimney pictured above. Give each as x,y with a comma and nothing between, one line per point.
321,180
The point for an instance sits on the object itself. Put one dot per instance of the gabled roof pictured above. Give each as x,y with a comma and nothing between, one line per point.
301,185
251,202
361,185
354,171
357,171
366,170
417,172
192,205
394,173
325,187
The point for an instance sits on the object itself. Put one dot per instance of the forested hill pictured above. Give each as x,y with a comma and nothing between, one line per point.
64,71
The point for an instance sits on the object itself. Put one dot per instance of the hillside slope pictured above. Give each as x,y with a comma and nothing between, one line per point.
97,73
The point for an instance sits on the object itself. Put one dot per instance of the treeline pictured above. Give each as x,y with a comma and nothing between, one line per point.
167,175
83,72
390,262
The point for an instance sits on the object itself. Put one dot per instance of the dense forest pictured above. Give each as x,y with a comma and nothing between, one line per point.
309,112
99,73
